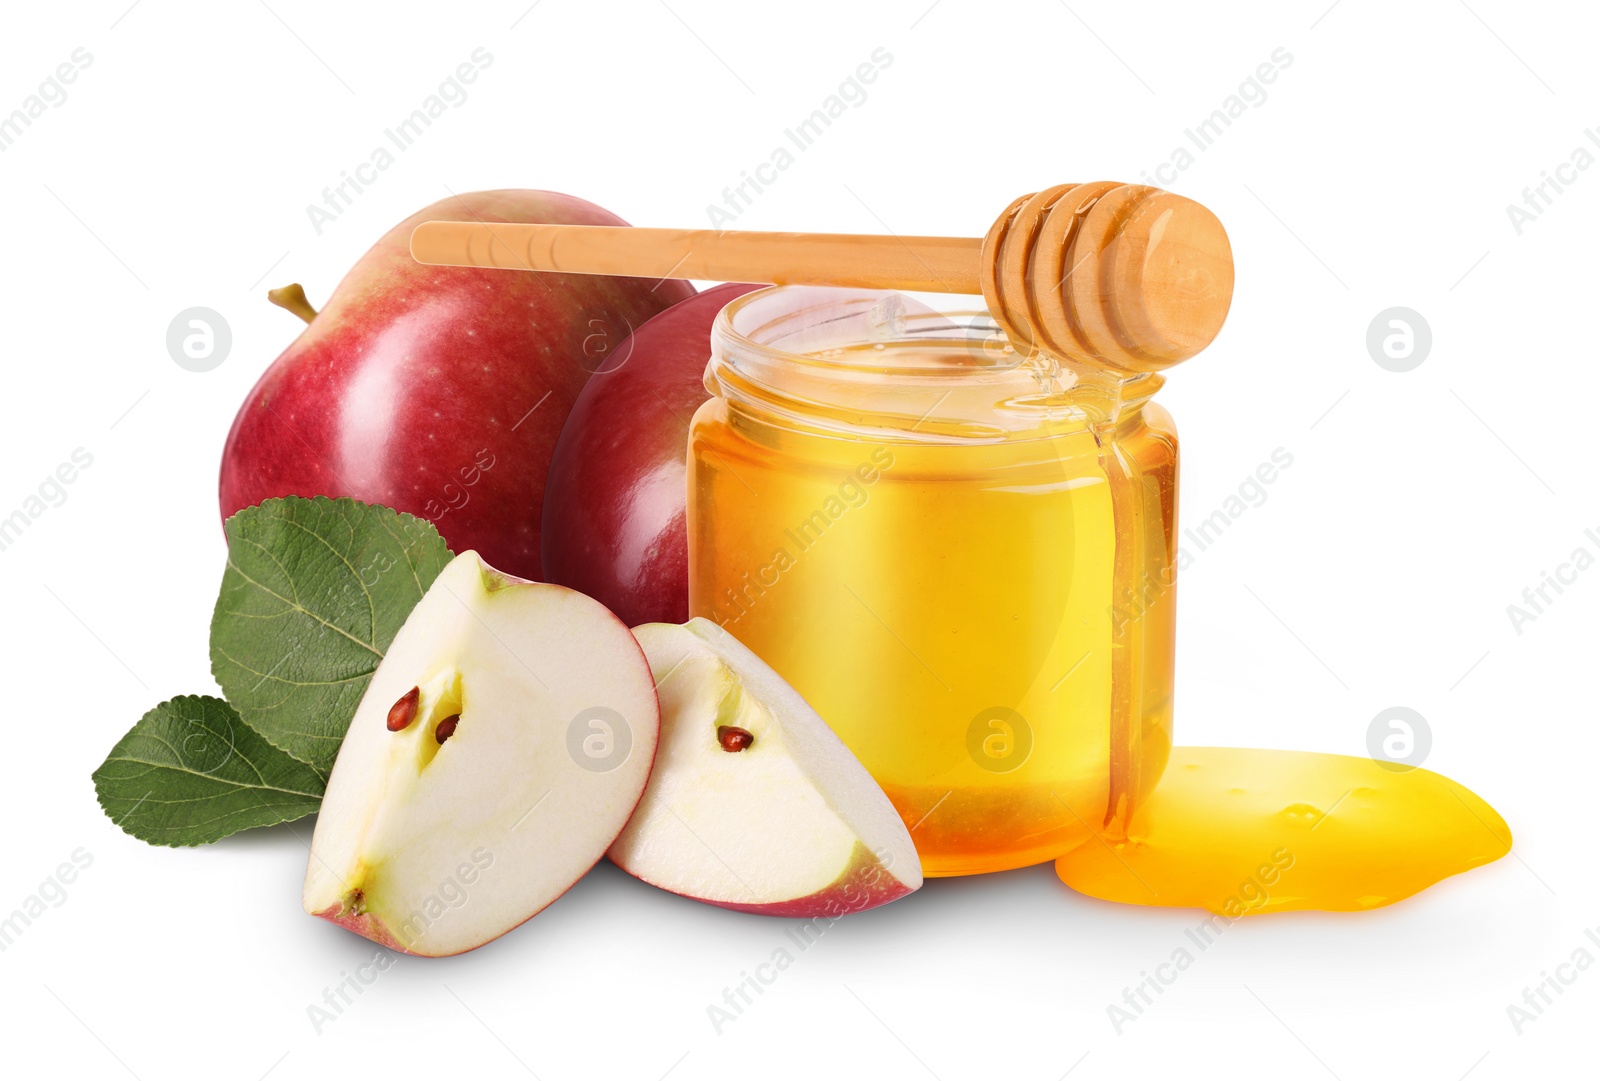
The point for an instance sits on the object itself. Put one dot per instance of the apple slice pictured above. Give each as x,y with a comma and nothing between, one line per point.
500,748
755,805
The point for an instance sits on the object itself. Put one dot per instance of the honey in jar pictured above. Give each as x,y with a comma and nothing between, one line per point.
962,559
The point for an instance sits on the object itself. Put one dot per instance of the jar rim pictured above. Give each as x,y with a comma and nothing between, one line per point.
881,310
802,356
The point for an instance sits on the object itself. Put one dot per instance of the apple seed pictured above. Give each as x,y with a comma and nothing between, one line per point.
733,738
403,712
446,727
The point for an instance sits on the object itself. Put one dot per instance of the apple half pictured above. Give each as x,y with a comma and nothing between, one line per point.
503,742
755,804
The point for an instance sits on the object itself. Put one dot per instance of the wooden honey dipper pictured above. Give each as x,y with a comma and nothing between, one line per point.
1129,277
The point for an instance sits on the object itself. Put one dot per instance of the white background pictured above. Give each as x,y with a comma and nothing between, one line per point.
1377,573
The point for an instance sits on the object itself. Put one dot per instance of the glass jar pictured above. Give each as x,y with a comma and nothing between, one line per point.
963,559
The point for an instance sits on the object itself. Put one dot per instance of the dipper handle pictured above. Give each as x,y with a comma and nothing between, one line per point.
1123,276
929,264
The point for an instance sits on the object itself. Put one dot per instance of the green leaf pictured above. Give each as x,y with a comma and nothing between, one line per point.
191,772
314,592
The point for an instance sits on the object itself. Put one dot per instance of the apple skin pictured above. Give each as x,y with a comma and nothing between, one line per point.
367,927
439,391
374,929
864,883
615,501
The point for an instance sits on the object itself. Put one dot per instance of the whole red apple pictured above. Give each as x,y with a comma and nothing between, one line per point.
440,391
614,524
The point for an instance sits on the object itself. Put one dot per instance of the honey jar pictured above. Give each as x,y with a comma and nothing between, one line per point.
961,556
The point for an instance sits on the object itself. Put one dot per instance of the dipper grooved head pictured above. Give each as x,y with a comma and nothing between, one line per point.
1126,276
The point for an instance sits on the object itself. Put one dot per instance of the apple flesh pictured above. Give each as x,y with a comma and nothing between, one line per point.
614,504
439,391
500,748
754,804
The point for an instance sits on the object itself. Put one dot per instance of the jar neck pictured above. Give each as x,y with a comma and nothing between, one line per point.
883,365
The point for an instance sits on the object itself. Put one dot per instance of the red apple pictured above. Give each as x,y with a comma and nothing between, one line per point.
436,390
614,524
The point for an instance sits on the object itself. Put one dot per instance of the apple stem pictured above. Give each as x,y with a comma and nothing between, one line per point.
293,298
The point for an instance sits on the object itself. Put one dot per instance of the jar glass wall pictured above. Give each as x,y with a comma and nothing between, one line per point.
962,560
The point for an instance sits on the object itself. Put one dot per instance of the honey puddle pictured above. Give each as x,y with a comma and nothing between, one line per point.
1240,831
